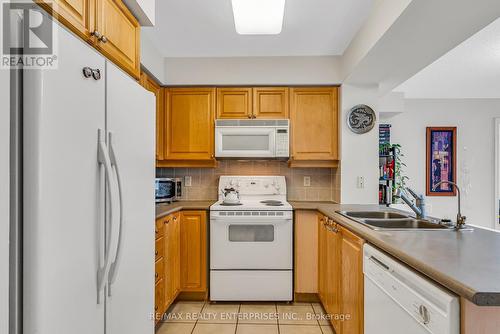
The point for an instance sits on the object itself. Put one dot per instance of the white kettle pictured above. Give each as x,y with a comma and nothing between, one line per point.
230,196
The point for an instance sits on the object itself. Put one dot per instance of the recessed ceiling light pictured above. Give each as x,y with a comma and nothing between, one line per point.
258,17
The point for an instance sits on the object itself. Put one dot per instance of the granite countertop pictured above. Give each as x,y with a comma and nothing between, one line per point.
165,209
467,262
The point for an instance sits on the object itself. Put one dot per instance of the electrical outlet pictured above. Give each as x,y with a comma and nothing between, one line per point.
361,182
307,181
187,181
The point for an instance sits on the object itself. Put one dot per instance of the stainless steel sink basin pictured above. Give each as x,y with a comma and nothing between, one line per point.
390,220
409,223
375,214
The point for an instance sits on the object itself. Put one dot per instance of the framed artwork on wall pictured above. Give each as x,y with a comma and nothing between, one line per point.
441,160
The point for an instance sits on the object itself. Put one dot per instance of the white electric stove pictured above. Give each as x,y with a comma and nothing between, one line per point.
251,254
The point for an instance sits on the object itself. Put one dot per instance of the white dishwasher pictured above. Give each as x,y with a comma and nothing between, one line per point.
398,300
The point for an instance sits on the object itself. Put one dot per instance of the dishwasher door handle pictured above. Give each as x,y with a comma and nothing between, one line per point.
379,263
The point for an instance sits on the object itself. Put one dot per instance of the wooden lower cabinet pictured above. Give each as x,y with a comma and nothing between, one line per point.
167,263
351,282
194,251
306,252
340,276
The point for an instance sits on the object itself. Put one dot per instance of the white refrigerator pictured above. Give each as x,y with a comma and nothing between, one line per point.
88,197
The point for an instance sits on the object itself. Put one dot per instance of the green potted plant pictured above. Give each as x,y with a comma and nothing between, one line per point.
399,178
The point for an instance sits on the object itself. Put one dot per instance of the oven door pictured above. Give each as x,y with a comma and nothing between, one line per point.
251,243
245,142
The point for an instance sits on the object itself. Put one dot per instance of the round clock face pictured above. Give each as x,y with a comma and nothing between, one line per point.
361,119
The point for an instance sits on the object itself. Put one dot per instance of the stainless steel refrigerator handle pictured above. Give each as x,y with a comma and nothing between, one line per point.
104,160
116,263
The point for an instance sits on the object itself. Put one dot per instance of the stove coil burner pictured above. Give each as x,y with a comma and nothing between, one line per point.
271,202
231,204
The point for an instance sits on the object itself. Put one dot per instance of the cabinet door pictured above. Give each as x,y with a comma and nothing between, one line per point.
190,123
314,123
121,35
352,284
306,251
333,275
75,14
151,85
159,300
234,103
193,251
270,102
168,270
176,254
322,258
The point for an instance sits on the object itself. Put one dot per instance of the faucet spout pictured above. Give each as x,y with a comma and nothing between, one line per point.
418,206
460,219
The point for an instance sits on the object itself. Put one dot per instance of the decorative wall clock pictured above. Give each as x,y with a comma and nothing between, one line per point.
361,119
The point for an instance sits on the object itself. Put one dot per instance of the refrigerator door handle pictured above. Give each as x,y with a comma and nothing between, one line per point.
104,160
116,263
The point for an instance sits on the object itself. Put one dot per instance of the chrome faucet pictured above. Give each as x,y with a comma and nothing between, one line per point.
418,206
460,219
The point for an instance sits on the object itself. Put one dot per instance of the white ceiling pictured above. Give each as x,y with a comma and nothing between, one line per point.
205,28
471,70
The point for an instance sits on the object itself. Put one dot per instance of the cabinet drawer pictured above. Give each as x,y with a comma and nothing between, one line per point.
159,269
159,248
159,298
159,228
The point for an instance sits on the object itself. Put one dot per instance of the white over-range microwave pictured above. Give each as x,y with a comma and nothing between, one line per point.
252,138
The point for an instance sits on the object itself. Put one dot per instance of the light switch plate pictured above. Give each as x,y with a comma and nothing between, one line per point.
307,181
187,181
361,182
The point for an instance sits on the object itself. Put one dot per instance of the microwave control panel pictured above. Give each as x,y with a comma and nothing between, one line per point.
282,142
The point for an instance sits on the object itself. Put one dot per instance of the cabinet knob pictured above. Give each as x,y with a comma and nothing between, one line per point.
156,253
249,116
103,39
97,34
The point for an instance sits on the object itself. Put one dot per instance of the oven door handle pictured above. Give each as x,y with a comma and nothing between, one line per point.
256,220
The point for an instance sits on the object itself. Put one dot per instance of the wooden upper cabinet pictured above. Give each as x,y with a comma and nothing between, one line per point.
193,230
107,25
189,123
77,15
352,284
117,35
234,103
270,102
314,124
151,85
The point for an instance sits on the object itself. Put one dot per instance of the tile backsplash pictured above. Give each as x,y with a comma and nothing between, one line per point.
324,185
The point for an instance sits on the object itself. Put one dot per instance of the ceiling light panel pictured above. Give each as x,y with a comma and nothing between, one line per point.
258,17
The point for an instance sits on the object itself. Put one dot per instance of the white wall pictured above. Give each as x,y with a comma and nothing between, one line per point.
359,152
252,71
143,10
4,199
474,120
152,60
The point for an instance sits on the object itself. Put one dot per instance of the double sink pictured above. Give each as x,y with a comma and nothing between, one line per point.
390,220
